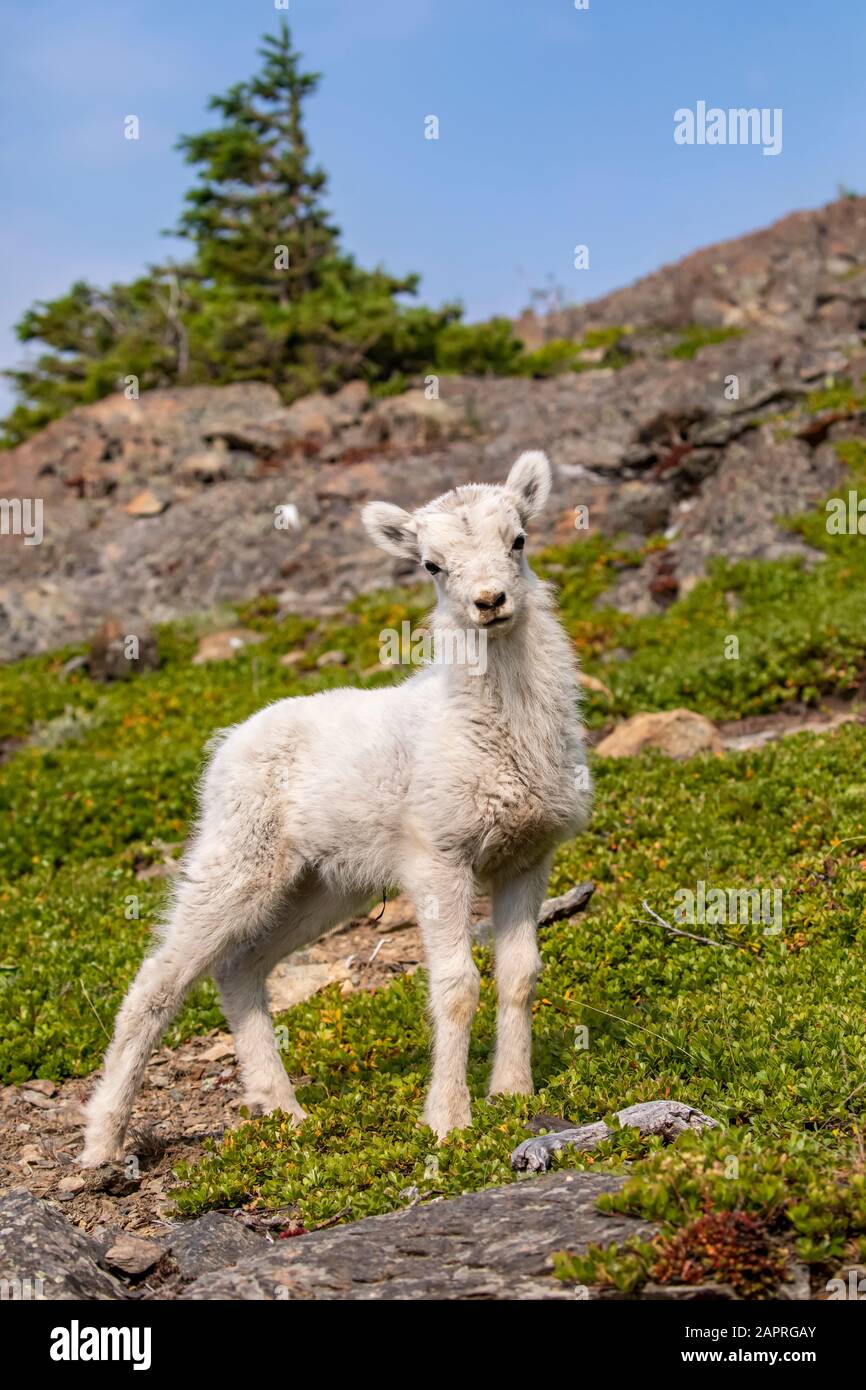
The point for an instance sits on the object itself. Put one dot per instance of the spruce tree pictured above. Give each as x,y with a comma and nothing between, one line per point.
267,293
256,216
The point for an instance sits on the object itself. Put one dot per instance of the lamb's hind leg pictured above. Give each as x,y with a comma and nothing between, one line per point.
309,912
154,998
210,915
516,905
241,981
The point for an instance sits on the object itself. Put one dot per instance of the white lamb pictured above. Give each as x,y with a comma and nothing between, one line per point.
450,782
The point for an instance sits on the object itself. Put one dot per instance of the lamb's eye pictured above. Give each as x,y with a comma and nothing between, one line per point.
431,568
518,543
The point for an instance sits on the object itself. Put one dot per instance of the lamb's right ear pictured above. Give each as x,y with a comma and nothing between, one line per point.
391,529
530,480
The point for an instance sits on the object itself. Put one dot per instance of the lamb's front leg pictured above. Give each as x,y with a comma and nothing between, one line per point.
516,905
442,894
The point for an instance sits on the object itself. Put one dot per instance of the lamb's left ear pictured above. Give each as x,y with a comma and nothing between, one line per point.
391,529
530,481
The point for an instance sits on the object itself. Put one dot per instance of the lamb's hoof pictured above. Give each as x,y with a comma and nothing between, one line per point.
520,1085
98,1155
444,1119
268,1106
296,1114
443,1130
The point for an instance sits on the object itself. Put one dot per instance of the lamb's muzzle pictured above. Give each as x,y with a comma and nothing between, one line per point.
486,600
475,781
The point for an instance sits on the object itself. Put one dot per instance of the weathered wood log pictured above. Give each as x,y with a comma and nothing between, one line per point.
575,900
668,1118
552,909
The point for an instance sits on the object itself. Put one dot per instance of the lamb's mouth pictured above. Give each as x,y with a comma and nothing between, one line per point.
497,622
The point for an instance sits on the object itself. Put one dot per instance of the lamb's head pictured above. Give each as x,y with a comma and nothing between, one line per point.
472,542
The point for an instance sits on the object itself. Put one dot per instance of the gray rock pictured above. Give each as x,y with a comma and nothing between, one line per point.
121,650
655,446
132,1255
43,1256
493,1245
210,1243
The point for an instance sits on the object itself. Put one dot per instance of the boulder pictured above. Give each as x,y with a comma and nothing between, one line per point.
313,417
146,503
490,1245
594,684
290,984
222,1046
680,733
352,398
413,419
132,1255
43,1256
207,465
120,650
224,646
210,1243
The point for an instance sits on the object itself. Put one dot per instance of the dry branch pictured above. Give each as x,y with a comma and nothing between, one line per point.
669,1118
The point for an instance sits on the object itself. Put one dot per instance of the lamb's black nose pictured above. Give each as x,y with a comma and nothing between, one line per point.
485,600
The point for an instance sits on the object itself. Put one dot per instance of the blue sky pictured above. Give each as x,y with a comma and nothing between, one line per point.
556,128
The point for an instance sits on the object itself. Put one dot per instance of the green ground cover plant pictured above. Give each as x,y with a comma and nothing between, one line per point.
766,1033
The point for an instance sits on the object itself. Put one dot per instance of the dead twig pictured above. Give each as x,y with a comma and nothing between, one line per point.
93,1007
594,1008
676,931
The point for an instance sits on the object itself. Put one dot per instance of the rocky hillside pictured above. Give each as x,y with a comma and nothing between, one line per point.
805,269
167,505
